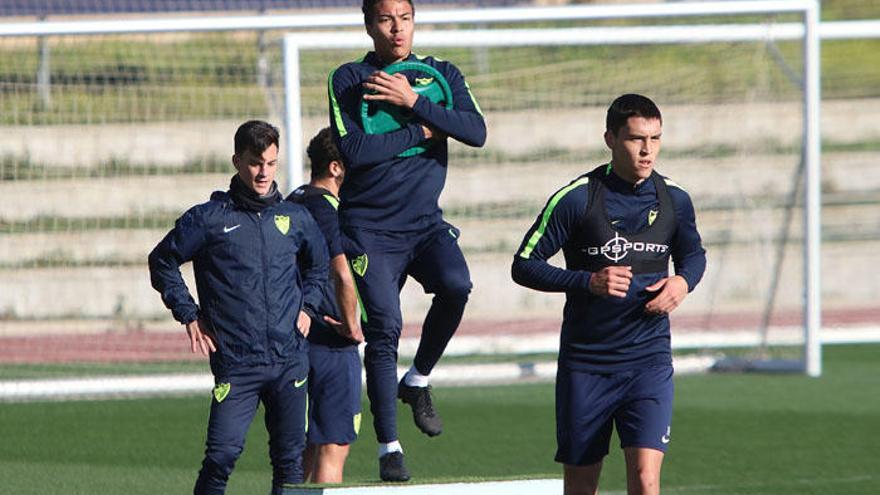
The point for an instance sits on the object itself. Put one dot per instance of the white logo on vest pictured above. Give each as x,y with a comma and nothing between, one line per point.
618,248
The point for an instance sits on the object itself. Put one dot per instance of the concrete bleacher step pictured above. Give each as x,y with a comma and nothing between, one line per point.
736,279
468,185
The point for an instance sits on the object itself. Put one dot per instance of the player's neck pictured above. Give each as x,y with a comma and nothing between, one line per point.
328,183
628,178
391,59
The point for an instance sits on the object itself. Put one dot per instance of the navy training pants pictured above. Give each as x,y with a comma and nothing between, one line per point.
433,258
283,390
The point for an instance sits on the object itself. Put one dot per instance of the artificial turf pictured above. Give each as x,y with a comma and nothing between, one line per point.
732,434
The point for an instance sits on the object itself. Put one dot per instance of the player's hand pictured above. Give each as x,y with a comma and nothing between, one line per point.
673,290
393,89
303,323
431,133
352,333
200,339
611,281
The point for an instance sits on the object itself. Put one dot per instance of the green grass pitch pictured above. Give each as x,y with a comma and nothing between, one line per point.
732,434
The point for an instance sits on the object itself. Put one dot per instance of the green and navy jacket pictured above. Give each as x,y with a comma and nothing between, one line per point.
642,226
254,272
382,191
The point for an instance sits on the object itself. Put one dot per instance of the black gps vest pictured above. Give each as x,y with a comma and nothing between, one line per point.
598,244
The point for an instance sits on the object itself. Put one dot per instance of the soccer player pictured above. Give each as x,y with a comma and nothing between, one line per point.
617,226
260,264
335,365
389,208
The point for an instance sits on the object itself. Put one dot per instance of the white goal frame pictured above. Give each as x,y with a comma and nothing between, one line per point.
807,31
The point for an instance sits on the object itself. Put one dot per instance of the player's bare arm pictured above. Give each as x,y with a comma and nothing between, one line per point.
347,300
673,290
611,281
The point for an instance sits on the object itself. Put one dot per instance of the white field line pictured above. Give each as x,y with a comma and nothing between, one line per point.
549,342
97,387
463,374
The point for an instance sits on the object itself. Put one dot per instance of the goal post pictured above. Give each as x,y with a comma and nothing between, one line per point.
806,32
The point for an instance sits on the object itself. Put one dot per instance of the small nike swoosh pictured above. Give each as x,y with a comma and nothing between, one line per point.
615,222
665,439
300,383
227,230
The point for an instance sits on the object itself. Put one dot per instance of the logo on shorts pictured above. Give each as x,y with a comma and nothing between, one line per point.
665,438
357,423
221,390
618,248
283,223
300,383
359,264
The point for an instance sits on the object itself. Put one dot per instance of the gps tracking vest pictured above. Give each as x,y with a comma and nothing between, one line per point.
598,244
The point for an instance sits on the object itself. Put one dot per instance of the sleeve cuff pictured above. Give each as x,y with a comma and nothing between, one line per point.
187,316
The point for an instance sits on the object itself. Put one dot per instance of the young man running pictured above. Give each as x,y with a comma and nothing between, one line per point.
618,226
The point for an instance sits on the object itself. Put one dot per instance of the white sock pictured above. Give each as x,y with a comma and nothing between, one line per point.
415,379
387,448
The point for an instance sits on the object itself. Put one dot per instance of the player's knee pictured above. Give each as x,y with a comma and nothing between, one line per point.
455,290
219,462
334,455
647,481
380,350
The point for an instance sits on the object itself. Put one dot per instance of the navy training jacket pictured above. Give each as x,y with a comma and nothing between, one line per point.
254,272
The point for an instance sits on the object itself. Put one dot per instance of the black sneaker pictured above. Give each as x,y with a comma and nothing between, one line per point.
391,467
424,415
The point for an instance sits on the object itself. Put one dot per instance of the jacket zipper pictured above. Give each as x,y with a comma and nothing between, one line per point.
263,278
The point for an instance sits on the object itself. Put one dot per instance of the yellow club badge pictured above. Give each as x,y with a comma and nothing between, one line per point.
359,264
221,391
282,222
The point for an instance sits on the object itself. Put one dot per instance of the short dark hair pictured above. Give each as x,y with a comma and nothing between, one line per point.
370,5
630,105
255,136
322,150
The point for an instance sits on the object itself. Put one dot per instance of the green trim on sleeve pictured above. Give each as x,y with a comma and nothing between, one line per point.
545,217
670,182
473,98
337,112
332,200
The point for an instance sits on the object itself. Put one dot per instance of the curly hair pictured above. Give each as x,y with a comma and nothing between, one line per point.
322,150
